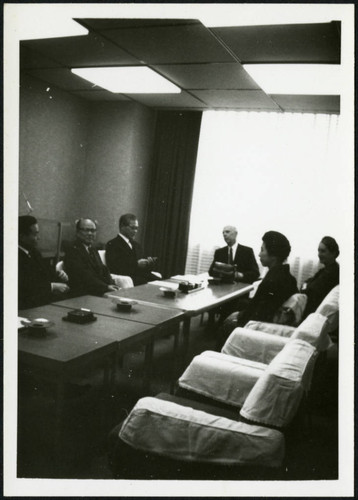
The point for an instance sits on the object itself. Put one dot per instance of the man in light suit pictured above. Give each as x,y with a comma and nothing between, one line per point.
124,256
87,274
242,257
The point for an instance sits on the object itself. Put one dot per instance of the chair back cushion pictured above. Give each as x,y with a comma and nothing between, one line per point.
314,331
182,433
329,307
102,254
221,377
291,311
276,395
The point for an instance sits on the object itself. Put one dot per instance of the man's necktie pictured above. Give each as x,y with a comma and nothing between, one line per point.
231,258
92,255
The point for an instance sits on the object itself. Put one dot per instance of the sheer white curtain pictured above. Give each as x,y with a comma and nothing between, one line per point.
266,171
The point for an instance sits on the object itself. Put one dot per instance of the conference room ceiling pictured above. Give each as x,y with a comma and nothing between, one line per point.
207,64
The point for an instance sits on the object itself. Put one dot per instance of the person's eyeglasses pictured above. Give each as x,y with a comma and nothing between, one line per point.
135,228
85,230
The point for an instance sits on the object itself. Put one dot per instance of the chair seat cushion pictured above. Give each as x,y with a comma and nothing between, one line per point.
221,377
180,432
253,345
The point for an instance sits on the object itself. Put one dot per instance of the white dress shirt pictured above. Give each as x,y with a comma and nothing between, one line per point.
126,240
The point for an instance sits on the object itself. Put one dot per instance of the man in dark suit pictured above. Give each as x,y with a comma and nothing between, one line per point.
86,272
37,283
124,255
242,257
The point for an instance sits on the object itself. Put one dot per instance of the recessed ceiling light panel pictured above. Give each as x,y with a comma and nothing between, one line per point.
304,79
128,80
54,27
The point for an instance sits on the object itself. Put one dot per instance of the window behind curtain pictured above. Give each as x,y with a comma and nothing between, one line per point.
266,171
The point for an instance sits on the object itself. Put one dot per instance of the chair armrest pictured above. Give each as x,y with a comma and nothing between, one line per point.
276,396
253,345
221,377
182,433
122,281
273,328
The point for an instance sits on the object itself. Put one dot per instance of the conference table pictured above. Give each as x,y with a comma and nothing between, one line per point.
69,348
158,322
191,304
65,351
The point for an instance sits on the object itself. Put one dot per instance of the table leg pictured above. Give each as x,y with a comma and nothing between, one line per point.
148,365
59,409
175,360
186,333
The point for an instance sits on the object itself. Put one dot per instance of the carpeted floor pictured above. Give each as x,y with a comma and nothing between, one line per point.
311,452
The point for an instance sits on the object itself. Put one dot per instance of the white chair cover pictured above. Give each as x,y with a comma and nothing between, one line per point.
119,280
221,377
122,281
296,303
276,396
329,307
253,345
102,254
274,328
179,432
314,331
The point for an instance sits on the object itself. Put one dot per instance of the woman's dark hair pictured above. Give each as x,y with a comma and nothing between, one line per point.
277,245
25,223
331,244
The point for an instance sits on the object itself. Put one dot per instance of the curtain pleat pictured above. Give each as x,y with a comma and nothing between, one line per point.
171,189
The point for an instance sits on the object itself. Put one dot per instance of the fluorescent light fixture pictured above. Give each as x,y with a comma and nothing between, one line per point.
52,27
128,80
268,14
304,79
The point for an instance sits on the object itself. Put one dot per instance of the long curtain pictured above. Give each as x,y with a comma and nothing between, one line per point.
266,171
171,189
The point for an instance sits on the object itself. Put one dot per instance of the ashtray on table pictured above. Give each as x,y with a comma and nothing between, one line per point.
80,316
37,327
123,304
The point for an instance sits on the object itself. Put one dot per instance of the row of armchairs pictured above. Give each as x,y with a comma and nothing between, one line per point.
229,415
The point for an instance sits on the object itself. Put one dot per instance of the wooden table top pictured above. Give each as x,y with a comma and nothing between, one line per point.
68,343
142,313
192,303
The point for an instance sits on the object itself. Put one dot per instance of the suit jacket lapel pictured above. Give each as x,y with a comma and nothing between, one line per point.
125,245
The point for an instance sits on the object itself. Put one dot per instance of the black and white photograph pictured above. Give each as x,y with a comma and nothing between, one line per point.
178,249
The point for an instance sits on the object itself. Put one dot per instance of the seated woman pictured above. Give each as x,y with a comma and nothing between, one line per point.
276,287
317,287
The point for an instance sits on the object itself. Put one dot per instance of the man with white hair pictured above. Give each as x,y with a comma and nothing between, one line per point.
240,256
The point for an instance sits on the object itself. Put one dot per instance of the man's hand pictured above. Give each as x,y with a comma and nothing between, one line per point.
151,261
59,287
112,288
147,263
238,276
143,263
62,276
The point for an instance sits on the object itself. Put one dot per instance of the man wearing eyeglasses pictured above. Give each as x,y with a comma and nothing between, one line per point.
87,273
124,256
